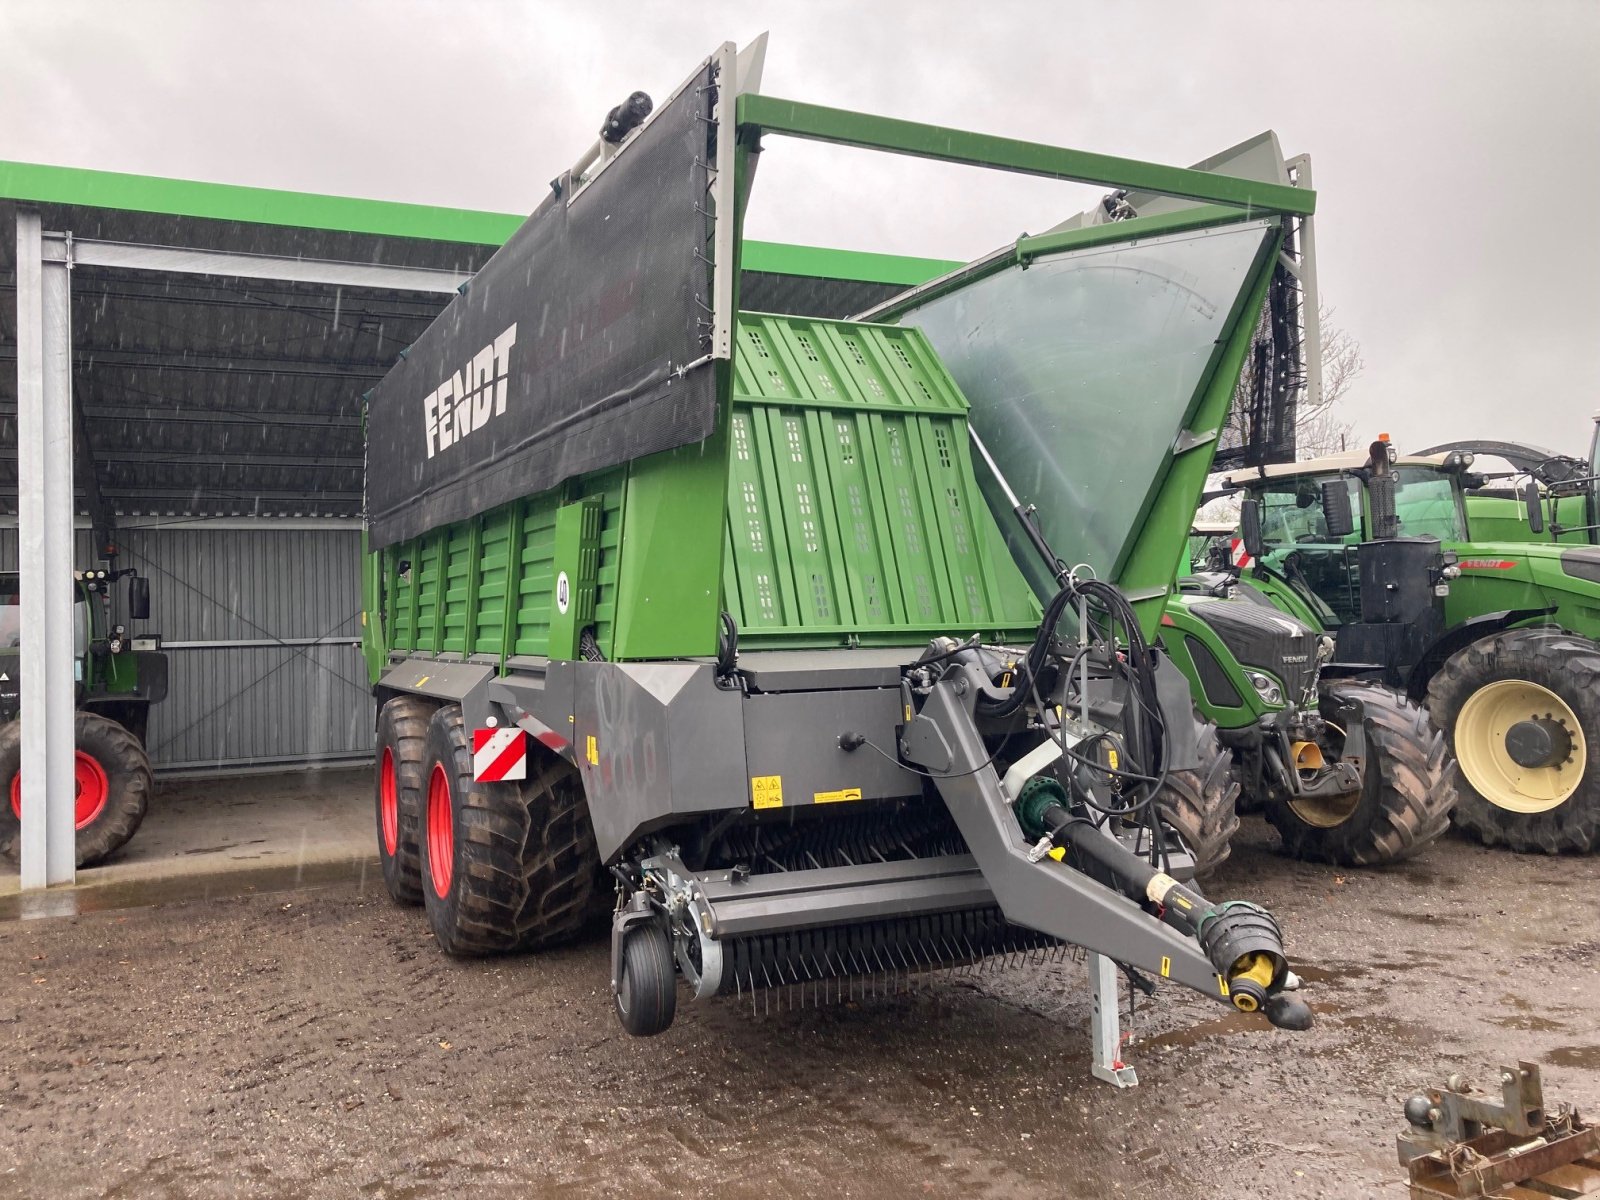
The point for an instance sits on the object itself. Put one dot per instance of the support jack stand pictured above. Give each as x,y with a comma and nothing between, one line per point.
1106,1024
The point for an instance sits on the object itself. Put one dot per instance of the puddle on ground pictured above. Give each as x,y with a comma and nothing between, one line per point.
1330,972
1586,1058
1223,1026
1528,1021
174,889
1420,918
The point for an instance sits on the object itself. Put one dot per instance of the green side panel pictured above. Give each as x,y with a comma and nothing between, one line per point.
374,625
853,515
427,570
119,674
577,562
494,570
668,588
608,488
533,575
460,566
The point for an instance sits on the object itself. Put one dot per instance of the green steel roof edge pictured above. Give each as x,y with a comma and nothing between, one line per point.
43,184
864,266
40,183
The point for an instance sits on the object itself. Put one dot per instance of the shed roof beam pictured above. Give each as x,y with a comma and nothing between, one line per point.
88,252
89,358
207,458
303,496
190,416
146,414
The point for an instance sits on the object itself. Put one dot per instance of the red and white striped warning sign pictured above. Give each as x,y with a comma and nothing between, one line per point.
1241,558
499,754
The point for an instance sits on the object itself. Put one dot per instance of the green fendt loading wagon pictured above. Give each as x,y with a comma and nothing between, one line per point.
1511,669
742,627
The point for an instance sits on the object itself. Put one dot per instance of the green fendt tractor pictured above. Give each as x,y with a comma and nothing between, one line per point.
1348,769
1511,673
758,632
119,676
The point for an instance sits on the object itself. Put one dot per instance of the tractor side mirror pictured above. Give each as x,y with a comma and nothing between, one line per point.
1530,498
1250,526
138,598
1336,513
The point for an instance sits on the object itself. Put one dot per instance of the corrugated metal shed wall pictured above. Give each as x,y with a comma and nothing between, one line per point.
262,626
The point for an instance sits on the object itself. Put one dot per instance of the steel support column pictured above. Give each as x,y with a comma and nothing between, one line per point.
45,553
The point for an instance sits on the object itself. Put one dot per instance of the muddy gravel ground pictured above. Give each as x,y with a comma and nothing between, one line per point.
317,1044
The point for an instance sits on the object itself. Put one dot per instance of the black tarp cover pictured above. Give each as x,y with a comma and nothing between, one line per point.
567,352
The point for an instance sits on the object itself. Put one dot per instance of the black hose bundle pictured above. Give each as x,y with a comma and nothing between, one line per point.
1145,733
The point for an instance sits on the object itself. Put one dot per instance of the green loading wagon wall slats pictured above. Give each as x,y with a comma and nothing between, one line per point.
849,504
852,512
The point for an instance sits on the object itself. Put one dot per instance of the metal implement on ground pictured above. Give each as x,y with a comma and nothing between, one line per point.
805,694
1459,1143
1510,670
120,674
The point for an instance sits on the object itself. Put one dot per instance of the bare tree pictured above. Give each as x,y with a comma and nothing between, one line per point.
1319,427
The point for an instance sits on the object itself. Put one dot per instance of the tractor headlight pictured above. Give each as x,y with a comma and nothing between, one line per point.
1266,687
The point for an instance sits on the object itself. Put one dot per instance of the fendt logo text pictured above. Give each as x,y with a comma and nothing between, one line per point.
469,398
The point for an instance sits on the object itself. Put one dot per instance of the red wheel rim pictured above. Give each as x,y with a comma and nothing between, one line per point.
441,832
388,803
93,791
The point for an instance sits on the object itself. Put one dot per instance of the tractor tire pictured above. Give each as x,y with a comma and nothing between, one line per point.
1518,675
113,788
1405,797
1202,805
402,776
505,866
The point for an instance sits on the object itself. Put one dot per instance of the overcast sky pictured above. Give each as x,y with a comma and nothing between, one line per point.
1456,144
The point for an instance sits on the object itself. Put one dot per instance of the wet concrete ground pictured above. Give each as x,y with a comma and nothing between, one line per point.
316,1044
228,835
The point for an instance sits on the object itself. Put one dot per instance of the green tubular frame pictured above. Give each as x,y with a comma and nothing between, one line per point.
769,114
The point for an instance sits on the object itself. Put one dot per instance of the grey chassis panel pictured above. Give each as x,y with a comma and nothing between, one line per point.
668,742
800,670
536,694
449,681
795,736
1049,896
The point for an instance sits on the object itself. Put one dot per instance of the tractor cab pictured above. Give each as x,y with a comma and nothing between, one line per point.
1360,545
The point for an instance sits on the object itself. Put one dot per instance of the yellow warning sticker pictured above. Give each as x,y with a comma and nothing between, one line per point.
1166,967
1111,757
766,791
591,751
836,797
